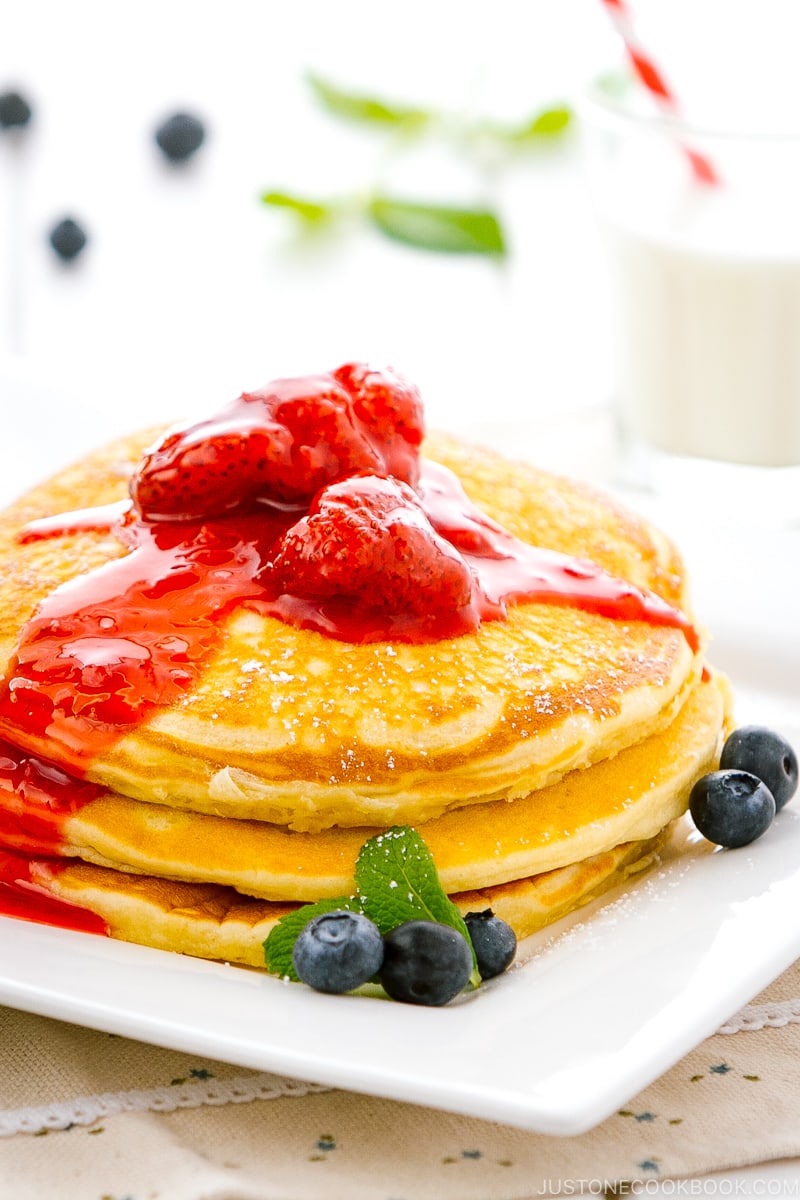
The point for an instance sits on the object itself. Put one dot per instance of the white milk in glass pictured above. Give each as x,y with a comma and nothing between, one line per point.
709,362
708,333
705,294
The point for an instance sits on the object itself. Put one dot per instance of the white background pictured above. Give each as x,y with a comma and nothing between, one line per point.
191,290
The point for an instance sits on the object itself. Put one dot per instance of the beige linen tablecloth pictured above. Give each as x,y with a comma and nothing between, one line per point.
92,1116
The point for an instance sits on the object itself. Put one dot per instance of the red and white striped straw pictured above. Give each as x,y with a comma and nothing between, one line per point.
652,79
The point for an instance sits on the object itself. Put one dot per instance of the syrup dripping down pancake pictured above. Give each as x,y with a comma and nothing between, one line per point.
288,726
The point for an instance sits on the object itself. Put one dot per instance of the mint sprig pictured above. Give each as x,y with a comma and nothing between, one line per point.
312,211
443,228
448,229
396,882
365,109
547,124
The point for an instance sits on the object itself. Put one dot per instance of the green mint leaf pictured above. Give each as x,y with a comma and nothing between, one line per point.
366,109
545,126
397,881
280,943
550,123
438,227
310,210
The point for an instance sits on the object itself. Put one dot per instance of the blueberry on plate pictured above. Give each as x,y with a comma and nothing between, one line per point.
425,963
765,754
180,136
731,808
67,239
493,941
338,951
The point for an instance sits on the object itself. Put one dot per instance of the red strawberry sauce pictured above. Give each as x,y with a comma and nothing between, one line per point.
359,539
36,798
23,894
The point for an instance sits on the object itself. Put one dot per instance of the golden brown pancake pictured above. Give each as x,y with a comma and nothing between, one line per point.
291,727
216,922
625,799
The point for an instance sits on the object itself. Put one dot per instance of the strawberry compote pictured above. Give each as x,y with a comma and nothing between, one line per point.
281,444
307,501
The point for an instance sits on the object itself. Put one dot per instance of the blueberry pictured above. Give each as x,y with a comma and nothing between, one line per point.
731,808
765,754
180,136
493,941
67,239
338,951
15,111
425,963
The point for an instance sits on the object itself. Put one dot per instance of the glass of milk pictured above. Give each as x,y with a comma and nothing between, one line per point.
704,293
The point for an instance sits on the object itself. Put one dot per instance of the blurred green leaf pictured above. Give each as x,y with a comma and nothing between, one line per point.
550,123
309,210
366,109
438,227
547,125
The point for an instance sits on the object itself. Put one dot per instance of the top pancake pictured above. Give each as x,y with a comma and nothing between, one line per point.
289,726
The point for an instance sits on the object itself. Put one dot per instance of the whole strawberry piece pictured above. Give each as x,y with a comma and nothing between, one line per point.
391,410
315,437
283,443
367,538
200,472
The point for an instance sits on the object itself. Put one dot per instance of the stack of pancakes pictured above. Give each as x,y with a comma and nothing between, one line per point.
542,758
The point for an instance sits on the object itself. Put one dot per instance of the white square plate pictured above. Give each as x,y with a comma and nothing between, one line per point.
596,1008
